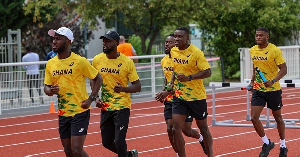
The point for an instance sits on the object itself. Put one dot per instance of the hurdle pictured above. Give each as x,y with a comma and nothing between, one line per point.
265,117
289,123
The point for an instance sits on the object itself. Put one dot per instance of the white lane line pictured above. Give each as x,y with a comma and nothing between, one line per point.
259,147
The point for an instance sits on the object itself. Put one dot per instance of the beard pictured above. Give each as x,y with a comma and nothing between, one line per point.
60,49
108,51
167,52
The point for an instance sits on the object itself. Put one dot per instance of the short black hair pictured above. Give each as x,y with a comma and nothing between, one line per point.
186,30
171,35
263,29
28,48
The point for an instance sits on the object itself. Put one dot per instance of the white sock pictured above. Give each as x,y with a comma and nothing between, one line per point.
282,143
177,155
265,139
200,138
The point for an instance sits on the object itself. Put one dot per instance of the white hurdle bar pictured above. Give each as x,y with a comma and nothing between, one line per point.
289,123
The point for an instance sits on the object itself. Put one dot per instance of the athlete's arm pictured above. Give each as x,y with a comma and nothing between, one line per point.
253,77
96,84
133,88
282,72
50,90
200,75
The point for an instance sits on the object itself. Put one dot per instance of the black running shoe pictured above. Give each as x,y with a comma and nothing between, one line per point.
266,149
203,147
133,153
283,152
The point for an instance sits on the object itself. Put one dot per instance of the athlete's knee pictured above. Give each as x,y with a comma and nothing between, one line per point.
187,131
254,118
169,128
77,151
176,130
279,120
68,152
106,143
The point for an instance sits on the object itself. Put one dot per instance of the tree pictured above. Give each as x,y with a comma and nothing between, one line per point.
229,25
12,16
144,17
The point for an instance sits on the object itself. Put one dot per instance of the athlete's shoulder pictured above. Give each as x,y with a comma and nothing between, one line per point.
124,57
98,56
166,58
273,47
255,47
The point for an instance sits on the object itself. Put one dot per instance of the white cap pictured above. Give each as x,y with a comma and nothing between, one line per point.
62,31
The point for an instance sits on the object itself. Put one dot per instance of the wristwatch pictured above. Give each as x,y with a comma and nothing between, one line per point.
273,80
190,77
93,98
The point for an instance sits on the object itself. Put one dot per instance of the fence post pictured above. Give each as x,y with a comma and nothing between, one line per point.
222,69
153,90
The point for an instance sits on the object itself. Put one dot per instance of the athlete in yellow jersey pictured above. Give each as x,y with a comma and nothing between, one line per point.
116,70
65,76
190,67
166,97
268,58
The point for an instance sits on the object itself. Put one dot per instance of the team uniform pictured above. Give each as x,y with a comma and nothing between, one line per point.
190,96
166,64
267,60
70,74
116,110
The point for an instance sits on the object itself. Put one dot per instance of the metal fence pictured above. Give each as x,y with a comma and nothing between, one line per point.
291,55
15,92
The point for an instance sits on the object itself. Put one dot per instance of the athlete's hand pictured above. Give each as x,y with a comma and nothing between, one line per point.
268,83
182,77
54,89
161,96
118,88
99,103
86,103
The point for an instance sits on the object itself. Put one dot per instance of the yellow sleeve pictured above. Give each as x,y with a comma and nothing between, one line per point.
87,69
202,63
279,57
133,76
48,78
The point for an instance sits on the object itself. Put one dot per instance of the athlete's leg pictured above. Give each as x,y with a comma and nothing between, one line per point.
189,132
207,138
255,114
178,121
79,127
77,143
169,123
67,147
121,121
280,123
107,127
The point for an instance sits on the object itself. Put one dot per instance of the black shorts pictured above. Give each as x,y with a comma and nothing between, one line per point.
196,109
273,99
168,112
74,126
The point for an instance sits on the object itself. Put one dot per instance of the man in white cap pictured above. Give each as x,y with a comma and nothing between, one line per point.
65,76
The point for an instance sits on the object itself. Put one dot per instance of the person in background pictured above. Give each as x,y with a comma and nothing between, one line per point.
126,48
268,58
65,76
50,55
32,73
117,70
166,97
